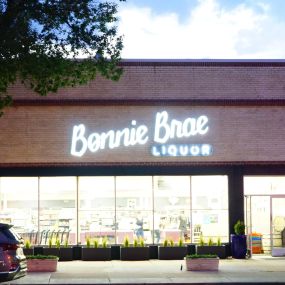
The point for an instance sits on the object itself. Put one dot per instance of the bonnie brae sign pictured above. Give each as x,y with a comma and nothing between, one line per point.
165,130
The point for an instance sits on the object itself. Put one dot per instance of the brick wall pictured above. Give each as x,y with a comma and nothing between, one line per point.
224,80
42,134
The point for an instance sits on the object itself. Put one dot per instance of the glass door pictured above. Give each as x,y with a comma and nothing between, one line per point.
278,225
257,219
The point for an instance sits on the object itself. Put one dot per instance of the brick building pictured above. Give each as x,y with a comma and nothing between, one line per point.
164,119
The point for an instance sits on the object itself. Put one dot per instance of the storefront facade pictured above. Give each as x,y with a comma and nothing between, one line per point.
172,142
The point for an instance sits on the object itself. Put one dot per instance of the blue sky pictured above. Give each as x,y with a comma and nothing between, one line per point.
250,29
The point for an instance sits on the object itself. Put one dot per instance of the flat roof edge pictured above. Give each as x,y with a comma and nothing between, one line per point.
205,62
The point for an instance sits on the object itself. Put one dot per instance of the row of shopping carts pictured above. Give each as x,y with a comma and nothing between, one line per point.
43,237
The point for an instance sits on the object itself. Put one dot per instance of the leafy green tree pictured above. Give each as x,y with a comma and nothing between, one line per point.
49,44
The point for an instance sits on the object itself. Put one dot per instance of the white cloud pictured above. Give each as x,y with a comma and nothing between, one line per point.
210,32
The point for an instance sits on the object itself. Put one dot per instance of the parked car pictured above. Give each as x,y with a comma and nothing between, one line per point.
13,262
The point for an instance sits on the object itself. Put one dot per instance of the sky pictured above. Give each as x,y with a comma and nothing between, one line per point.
202,29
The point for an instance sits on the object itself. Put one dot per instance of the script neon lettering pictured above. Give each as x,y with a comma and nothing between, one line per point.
165,130
111,139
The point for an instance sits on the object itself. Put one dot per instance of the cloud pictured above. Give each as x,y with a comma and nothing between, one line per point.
211,31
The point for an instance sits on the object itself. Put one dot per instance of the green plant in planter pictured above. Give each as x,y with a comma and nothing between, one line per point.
239,228
104,242
171,242
50,242
57,243
88,242
201,241
96,243
41,256
210,242
65,243
136,242
219,243
165,242
142,242
27,244
195,256
180,242
126,242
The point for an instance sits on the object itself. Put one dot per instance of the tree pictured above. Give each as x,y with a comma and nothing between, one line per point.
49,44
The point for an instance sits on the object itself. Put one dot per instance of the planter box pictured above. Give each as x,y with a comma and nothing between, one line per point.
202,264
172,252
42,265
65,254
238,246
28,251
135,253
219,250
76,252
51,251
96,254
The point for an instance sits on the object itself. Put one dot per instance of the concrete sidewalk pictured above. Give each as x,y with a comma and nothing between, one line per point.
258,270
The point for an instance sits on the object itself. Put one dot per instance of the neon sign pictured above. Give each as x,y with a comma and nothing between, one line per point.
164,131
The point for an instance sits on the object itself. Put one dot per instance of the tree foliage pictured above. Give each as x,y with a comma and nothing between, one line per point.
49,44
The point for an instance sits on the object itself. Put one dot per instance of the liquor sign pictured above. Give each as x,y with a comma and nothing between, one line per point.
165,130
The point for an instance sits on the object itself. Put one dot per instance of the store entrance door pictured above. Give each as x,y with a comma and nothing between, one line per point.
277,219
257,220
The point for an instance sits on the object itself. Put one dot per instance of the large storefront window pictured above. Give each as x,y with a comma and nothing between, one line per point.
209,208
154,208
172,208
134,206
57,209
19,205
96,208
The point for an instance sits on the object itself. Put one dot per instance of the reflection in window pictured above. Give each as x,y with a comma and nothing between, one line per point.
134,205
154,208
172,208
266,185
57,209
96,208
209,208
19,205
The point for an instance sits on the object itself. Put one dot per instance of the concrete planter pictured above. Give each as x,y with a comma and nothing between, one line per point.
28,251
135,253
202,264
172,252
42,265
219,250
65,254
51,251
96,254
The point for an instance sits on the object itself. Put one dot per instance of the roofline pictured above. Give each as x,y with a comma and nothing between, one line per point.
204,62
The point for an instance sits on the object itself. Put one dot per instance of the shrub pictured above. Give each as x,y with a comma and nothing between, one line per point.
219,243
210,242
104,242
136,243
88,242
41,256
27,244
141,242
95,243
201,241
180,242
57,243
66,243
171,242
50,242
193,256
126,242
239,228
165,243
